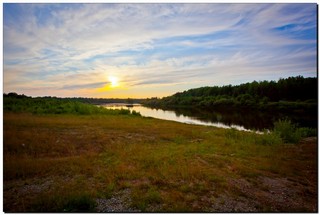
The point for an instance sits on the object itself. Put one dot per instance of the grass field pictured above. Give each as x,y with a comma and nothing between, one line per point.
104,163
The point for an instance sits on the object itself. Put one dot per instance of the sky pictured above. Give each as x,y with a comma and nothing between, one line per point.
131,50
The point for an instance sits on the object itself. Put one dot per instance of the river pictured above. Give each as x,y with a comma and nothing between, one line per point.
240,120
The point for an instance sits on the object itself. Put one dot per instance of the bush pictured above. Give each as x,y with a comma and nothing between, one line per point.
135,113
124,111
307,132
287,131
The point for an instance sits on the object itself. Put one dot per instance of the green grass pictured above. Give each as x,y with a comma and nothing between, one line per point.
170,166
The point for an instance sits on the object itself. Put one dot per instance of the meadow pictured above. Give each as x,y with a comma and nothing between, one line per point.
122,162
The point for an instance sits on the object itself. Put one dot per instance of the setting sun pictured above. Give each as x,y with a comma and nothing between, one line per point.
114,81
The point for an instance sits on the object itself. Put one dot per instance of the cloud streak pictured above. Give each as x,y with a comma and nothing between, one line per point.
84,86
150,45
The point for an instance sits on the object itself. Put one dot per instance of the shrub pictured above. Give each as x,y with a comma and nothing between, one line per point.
124,111
287,131
135,113
307,132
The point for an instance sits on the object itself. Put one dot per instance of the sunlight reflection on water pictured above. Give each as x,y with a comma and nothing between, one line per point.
171,115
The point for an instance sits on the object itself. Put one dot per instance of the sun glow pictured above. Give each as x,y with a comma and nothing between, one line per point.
114,81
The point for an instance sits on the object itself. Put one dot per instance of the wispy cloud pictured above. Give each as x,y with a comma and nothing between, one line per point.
84,86
73,48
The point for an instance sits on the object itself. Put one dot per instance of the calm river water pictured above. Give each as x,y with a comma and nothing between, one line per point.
240,120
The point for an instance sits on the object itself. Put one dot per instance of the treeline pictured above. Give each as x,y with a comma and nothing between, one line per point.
14,102
95,101
290,93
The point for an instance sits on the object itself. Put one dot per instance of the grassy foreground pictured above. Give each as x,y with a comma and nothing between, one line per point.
104,163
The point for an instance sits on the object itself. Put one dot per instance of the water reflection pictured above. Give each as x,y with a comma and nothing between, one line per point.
238,119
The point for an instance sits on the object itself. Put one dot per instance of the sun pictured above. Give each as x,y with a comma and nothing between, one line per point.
114,81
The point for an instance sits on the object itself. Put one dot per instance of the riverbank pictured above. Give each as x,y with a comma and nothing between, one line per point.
56,163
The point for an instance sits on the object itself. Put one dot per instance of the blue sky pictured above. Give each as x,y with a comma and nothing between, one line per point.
153,49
